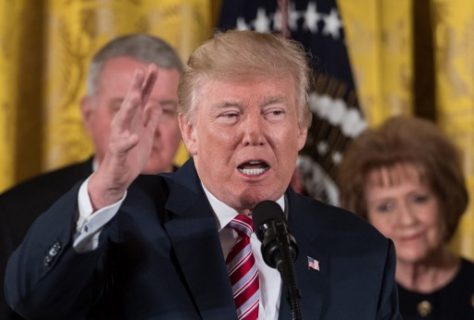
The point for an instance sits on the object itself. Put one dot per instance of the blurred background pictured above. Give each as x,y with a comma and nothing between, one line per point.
374,59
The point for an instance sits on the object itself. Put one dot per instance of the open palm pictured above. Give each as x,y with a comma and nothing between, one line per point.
131,141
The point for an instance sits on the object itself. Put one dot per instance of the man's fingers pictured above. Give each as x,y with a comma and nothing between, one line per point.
124,118
137,96
124,143
149,82
137,81
130,106
136,120
128,143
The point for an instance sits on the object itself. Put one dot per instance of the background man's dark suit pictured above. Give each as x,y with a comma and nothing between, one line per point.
21,205
161,256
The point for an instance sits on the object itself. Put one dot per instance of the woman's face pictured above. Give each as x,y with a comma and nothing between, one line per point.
403,208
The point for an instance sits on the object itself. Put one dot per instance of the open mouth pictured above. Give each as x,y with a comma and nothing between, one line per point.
253,167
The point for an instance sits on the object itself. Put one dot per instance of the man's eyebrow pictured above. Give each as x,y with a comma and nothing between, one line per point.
274,100
227,104
266,101
168,102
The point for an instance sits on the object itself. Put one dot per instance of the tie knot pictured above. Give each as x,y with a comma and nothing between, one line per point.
242,224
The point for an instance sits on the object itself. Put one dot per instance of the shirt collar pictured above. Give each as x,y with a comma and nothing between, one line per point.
224,213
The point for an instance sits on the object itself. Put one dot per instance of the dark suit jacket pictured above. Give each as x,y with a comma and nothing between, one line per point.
160,258
21,205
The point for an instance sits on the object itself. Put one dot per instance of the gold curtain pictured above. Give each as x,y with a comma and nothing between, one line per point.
20,94
379,40
8,64
394,65
76,29
45,48
454,67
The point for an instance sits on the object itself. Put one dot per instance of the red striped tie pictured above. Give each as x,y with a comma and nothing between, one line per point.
243,271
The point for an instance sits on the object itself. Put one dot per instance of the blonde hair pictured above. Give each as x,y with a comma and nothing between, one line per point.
240,54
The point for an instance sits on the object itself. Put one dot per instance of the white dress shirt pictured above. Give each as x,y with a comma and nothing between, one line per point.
89,226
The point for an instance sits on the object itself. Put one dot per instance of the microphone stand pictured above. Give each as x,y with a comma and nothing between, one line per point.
287,271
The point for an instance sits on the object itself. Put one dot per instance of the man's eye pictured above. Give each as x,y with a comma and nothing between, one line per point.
169,112
166,106
274,114
228,117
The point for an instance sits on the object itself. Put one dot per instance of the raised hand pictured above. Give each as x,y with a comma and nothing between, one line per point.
130,144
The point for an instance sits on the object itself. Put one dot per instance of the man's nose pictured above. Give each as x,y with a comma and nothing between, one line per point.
158,126
253,130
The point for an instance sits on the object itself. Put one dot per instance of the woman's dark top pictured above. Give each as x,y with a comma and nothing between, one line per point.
455,301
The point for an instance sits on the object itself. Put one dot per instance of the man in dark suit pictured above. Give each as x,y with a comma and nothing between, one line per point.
180,245
21,205
110,73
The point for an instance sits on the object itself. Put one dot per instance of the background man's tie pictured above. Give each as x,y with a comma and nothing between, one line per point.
243,271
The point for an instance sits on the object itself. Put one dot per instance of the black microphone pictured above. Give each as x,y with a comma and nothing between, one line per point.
279,248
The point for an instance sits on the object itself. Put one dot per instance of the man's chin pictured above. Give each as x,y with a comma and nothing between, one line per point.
250,198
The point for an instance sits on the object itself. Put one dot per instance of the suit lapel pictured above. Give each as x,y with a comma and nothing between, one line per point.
311,283
193,233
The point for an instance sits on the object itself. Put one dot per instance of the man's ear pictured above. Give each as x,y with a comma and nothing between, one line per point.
87,109
302,135
188,133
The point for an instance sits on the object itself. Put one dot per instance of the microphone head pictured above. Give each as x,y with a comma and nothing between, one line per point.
263,213
271,229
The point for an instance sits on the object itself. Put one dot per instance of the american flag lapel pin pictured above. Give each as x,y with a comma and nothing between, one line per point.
313,264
